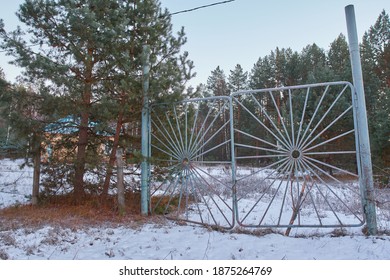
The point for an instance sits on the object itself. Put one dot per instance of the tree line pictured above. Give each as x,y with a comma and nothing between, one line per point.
286,67
83,62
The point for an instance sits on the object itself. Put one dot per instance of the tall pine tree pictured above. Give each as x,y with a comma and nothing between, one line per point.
375,50
89,52
216,83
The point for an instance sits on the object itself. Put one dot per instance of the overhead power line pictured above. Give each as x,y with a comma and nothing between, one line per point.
171,14
202,7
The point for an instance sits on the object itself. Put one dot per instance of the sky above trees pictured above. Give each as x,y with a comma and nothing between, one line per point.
243,30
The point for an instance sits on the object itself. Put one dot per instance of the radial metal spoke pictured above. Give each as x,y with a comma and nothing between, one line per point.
326,128
166,135
278,165
330,188
261,140
303,114
168,151
291,118
315,167
330,166
197,200
193,128
195,152
198,144
285,193
282,139
170,195
182,144
329,140
257,157
312,118
306,179
303,144
288,167
197,192
202,131
281,119
331,153
220,210
327,202
260,149
200,171
204,189
281,168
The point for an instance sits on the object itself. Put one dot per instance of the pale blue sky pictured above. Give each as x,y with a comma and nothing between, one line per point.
244,30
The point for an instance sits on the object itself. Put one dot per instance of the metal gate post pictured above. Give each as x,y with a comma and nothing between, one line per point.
233,159
145,133
364,152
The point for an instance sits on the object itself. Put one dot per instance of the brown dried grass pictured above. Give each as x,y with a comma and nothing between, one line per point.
61,211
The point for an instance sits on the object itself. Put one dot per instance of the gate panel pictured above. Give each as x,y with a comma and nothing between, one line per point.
191,177
291,163
295,151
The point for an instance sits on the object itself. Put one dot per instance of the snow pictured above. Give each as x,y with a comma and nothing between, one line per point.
167,240
15,182
173,242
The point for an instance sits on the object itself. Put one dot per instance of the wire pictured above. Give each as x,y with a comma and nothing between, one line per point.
202,7
171,14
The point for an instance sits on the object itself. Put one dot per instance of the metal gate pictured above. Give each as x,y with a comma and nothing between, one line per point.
300,143
282,157
191,154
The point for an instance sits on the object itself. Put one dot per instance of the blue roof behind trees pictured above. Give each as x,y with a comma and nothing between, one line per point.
70,125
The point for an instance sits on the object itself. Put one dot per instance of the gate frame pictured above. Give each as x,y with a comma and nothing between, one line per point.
233,163
357,140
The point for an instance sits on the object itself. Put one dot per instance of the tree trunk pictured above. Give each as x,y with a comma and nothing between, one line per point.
120,184
83,132
81,158
111,161
296,206
37,171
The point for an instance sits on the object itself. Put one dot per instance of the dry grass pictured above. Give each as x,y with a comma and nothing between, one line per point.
61,211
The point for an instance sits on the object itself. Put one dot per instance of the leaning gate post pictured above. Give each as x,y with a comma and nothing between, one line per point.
363,148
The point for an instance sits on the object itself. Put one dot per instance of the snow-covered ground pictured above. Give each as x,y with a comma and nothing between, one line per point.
170,241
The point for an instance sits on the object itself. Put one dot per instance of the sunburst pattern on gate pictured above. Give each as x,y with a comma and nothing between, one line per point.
191,155
283,157
299,143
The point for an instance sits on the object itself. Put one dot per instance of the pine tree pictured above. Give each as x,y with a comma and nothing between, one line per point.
375,51
216,83
89,52
218,86
377,43
238,79
262,74
313,60
338,59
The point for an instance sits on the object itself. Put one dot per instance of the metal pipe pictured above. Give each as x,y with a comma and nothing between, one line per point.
145,133
363,148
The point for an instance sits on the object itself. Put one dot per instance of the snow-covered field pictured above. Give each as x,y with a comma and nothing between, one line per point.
171,241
